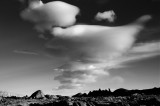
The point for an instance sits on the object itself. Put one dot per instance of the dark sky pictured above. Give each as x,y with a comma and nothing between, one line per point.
25,66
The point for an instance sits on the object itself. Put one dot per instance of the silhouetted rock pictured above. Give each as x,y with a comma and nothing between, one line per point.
38,95
119,92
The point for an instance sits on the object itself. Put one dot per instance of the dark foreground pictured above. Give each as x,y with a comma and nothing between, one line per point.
133,100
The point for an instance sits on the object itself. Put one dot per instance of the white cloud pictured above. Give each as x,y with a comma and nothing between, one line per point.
45,16
93,43
141,51
147,47
136,53
108,16
92,50
76,74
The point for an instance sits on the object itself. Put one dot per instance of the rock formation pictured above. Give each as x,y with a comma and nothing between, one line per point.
38,95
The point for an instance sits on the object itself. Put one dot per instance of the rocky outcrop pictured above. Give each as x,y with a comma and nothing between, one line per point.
38,95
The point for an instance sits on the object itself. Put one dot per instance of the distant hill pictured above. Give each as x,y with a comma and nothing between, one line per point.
119,92
125,92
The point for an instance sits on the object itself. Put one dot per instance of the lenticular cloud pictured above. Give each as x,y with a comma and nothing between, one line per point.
90,50
94,43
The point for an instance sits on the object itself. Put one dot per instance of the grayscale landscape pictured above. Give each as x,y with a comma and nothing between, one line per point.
79,53
120,97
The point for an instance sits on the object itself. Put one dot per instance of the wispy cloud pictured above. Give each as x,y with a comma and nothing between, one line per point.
25,52
136,53
142,51
146,47
76,74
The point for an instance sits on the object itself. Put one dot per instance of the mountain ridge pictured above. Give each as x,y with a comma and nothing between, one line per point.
119,92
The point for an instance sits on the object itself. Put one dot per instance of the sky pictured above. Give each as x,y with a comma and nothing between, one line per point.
67,47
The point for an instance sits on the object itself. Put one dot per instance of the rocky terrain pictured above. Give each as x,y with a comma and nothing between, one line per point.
120,97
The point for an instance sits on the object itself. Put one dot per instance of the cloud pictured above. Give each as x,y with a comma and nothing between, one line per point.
137,53
45,16
25,52
90,50
143,50
69,86
108,16
76,74
93,43
147,47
